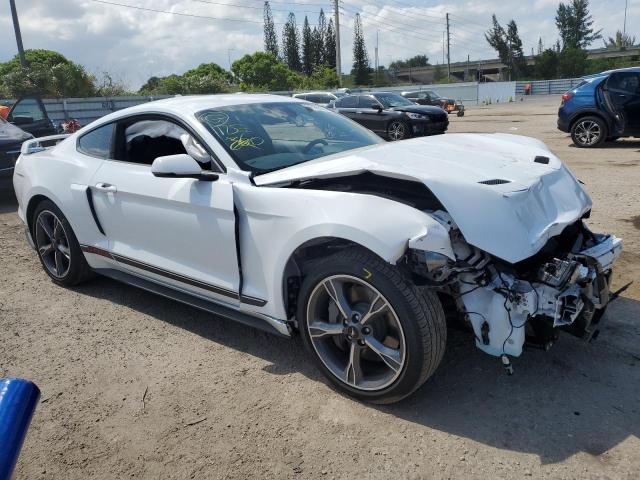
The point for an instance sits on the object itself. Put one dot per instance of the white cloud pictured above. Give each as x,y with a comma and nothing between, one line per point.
135,44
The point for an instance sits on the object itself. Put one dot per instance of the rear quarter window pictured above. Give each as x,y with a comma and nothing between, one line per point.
97,143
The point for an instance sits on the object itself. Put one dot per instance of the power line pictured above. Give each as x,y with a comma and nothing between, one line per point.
181,14
397,32
208,2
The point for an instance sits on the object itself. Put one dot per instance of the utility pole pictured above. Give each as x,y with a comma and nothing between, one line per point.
16,27
229,50
443,47
448,50
624,25
376,62
337,22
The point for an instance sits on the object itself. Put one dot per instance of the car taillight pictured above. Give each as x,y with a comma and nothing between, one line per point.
567,96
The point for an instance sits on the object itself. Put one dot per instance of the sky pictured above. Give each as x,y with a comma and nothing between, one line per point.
135,44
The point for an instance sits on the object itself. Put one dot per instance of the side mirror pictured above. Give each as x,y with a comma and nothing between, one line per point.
180,166
377,106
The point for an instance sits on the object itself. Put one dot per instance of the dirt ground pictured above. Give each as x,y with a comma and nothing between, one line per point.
134,385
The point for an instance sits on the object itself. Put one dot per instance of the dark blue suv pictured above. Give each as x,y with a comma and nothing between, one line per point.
603,107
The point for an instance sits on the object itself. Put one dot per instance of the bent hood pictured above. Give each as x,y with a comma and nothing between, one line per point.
502,200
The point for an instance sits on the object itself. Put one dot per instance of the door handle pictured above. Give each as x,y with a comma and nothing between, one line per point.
106,187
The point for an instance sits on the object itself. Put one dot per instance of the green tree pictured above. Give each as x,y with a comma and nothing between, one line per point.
319,35
209,69
572,62
330,45
107,86
270,37
308,50
291,44
417,61
47,73
540,46
575,24
620,41
262,71
497,38
546,66
361,70
205,78
322,78
517,62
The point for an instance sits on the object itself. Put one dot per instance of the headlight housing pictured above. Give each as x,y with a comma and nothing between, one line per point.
416,116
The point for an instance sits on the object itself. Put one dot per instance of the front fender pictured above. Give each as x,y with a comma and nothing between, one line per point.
274,222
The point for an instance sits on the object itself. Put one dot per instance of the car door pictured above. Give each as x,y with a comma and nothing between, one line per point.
623,90
176,231
29,114
347,106
368,114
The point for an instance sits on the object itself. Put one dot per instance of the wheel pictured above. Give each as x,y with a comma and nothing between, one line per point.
460,113
57,246
398,130
588,132
372,334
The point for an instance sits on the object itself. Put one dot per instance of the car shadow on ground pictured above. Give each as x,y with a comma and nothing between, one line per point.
623,143
8,202
575,398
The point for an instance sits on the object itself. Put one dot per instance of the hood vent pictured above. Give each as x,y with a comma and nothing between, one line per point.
495,181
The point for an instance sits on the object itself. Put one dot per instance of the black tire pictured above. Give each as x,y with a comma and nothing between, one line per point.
460,113
77,269
419,312
612,139
588,132
398,130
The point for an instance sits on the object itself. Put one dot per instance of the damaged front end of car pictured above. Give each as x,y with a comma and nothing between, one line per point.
565,286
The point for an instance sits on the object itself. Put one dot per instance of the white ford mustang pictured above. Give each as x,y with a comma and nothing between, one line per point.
285,216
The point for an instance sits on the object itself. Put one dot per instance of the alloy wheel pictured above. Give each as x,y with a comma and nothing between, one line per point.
356,332
588,132
53,244
397,131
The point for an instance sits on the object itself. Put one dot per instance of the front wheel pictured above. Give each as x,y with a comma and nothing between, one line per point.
398,130
588,132
372,334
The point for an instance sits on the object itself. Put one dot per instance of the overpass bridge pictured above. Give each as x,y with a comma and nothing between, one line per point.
493,69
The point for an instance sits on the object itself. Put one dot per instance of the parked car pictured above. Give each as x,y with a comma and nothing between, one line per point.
429,97
392,116
321,98
603,107
11,138
29,114
284,215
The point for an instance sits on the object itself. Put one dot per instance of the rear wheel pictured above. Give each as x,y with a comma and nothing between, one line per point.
398,130
588,132
57,246
374,336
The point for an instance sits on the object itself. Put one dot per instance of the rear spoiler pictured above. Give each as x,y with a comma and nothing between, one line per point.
40,144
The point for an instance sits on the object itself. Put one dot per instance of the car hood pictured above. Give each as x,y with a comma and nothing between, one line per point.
423,109
10,134
502,200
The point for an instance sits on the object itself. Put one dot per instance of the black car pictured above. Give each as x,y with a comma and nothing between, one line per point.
29,114
429,97
11,138
392,116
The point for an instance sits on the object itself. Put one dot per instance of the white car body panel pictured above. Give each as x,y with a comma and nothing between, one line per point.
512,221
183,232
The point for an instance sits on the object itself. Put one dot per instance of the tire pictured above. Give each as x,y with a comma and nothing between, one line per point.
612,139
408,321
588,132
58,248
460,114
398,130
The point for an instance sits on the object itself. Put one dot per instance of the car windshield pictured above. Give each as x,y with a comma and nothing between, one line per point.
433,94
263,137
392,100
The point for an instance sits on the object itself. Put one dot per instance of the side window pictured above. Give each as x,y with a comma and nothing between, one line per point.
97,143
367,101
28,108
348,102
314,98
411,95
627,82
325,98
142,141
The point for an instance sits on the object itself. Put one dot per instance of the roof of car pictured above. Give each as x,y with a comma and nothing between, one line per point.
609,72
191,104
